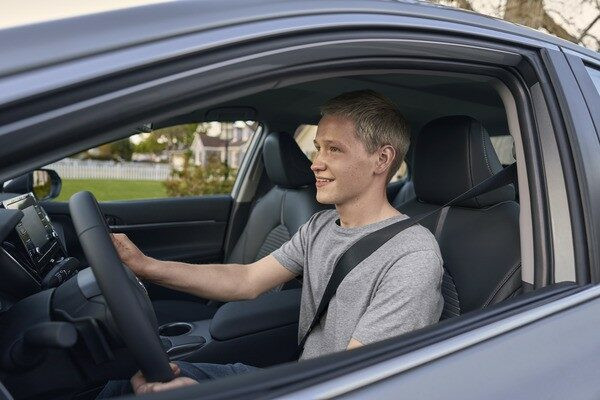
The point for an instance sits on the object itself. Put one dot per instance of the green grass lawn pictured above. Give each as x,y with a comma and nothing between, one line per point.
107,189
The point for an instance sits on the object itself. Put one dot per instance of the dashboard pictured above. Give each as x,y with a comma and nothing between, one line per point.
32,255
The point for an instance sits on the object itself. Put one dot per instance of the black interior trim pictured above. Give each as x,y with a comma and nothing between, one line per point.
159,225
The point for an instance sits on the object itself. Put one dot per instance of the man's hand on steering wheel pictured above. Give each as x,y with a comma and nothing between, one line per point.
141,386
131,255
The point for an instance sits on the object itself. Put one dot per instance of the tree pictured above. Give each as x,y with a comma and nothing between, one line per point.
176,137
213,178
149,145
121,150
553,16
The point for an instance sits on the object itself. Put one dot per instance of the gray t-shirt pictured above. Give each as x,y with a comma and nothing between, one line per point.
395,290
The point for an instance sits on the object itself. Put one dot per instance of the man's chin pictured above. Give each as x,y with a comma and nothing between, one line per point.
323,199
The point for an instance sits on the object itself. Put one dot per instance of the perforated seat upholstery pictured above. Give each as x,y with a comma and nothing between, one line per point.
479,238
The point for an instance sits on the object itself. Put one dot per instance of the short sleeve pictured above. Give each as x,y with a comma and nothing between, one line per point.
408,297
292,253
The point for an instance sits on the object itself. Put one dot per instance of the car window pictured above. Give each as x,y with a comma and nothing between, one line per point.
182,160
595,75
504,147
305,134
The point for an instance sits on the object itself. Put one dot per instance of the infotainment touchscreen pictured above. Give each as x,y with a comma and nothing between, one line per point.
33,223
35,229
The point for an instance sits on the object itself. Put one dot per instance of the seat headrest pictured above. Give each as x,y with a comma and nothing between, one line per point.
453,154
286,165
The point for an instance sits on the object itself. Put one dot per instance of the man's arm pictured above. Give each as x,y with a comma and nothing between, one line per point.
223,282
353,344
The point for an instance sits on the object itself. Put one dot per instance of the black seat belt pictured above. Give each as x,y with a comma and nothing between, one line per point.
367,245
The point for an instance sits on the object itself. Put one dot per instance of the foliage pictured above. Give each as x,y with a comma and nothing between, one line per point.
121,149
171,138
150,145
213,178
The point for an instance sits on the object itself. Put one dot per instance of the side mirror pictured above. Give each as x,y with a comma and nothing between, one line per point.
44,183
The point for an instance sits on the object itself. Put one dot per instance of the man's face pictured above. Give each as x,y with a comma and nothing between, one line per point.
343,167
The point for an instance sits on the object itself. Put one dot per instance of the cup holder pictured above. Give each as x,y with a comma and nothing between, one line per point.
174,329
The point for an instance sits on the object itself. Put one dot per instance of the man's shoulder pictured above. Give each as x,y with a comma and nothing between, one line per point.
415,256
323,217
415,239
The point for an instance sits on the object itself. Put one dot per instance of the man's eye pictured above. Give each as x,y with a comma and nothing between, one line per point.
334,149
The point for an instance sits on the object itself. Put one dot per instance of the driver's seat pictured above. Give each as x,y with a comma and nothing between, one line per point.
273,220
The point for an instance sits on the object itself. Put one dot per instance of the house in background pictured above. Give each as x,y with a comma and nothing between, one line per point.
226,141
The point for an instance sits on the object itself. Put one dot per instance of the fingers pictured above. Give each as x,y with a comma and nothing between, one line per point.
137,381
175,368
119,237
140,385
153,387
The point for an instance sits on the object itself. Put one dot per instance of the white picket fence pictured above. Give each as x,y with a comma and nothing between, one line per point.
93,169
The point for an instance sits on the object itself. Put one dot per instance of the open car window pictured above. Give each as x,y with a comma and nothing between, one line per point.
191,159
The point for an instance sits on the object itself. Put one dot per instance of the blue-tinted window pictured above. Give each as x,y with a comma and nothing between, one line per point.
595,75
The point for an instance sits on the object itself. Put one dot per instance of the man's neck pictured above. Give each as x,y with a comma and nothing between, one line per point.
365,210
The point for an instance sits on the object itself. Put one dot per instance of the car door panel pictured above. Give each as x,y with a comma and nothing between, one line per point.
187,229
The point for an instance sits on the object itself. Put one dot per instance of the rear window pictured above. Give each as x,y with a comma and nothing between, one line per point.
504,148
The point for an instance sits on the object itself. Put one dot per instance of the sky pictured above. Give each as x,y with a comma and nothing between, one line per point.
21,12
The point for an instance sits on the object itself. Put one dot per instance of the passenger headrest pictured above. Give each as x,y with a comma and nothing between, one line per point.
286,164
453,154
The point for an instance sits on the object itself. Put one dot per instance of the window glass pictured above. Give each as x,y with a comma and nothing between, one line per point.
305,134
182,160
595,75
504,148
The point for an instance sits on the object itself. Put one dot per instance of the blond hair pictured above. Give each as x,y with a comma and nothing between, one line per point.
377,122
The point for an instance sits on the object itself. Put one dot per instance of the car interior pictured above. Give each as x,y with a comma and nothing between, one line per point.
60,332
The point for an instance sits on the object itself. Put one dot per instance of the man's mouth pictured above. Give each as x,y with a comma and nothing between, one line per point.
323,181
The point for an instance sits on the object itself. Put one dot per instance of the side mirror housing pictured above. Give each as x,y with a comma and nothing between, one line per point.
44,183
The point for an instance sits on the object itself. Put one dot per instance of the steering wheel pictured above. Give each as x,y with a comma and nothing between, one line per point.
125,295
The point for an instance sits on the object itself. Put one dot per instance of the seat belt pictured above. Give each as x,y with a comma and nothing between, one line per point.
367,245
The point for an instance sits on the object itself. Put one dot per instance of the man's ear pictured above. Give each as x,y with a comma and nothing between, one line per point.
385,157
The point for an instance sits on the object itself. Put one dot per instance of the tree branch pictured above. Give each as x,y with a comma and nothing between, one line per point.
549,24
464,4
587,28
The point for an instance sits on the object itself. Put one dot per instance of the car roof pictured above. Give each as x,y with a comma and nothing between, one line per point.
59,40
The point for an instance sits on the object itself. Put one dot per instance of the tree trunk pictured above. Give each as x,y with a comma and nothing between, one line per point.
532,13
525,12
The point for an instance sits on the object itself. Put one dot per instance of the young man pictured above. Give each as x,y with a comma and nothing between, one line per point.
361,141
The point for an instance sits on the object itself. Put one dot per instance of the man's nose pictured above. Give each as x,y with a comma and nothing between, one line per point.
317,165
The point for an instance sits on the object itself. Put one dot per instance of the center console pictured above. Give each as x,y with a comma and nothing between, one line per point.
181,339
259,332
